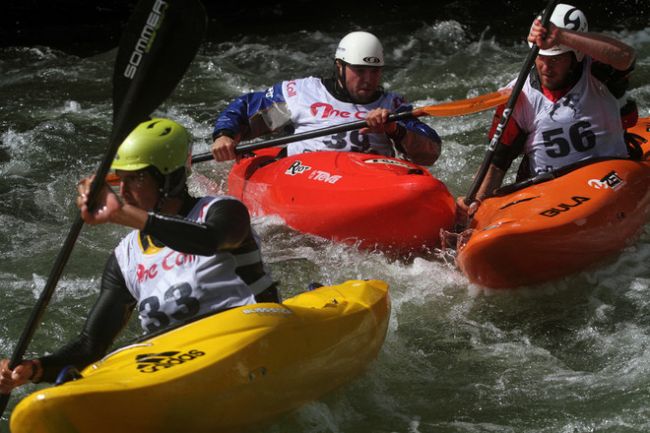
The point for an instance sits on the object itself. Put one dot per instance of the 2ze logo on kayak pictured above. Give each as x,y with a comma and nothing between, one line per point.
611,180
297,168
575,201
152,362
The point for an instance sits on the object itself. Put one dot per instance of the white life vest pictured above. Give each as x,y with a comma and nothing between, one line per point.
171,286
313,107
585,123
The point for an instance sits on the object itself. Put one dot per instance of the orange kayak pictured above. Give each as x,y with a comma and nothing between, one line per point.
560,225
370,200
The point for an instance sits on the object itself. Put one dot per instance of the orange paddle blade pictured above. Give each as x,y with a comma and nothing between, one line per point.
465,106
112,179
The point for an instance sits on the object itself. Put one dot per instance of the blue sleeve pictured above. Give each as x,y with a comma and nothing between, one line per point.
244,114
417,126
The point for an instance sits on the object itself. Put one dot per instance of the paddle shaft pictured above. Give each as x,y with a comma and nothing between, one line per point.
454,108
344,127
64,254
139,97
505,117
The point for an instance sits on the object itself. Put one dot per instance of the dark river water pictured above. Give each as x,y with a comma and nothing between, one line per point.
568,356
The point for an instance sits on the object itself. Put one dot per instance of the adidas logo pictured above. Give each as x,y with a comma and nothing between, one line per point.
152,362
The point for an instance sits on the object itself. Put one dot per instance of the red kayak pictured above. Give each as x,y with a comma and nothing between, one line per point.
370,200
559,225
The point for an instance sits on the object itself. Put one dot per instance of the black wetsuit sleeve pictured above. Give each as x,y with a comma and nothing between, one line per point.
108,316
504,155
616,81
511,143
227,225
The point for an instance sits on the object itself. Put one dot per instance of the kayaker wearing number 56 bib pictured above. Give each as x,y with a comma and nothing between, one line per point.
186,258
352,94
573,105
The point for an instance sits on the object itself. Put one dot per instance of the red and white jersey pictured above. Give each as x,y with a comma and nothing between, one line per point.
585,123
171,286
312,107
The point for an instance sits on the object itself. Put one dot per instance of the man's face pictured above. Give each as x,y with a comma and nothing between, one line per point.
555,71
138,188
362,82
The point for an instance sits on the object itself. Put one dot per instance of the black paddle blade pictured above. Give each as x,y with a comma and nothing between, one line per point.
165,36
510,105
158,45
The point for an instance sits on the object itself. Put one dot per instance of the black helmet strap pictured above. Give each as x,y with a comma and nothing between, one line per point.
170,185
339,81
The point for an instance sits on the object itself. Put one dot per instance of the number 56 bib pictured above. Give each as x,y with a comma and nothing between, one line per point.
585,123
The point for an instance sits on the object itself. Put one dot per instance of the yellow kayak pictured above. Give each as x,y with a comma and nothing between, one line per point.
223,373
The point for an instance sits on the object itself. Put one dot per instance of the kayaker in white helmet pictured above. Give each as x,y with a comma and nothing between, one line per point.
353,93
573,106
186,257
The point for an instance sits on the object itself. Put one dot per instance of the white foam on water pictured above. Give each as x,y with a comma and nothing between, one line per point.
66,288
18,143
15,168
636,38
71,107
316,417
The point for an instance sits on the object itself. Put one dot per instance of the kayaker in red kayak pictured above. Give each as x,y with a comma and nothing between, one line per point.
353,93
573,105
187,257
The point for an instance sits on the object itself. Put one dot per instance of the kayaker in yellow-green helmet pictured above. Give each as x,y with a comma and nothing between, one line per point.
353,93
186,257
573,105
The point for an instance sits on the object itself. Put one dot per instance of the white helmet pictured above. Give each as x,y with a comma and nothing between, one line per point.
360,48
566,17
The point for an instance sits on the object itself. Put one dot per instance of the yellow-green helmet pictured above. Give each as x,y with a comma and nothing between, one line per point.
161,143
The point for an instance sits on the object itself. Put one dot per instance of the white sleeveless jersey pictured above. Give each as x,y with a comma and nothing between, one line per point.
585,123
171,286
313,107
